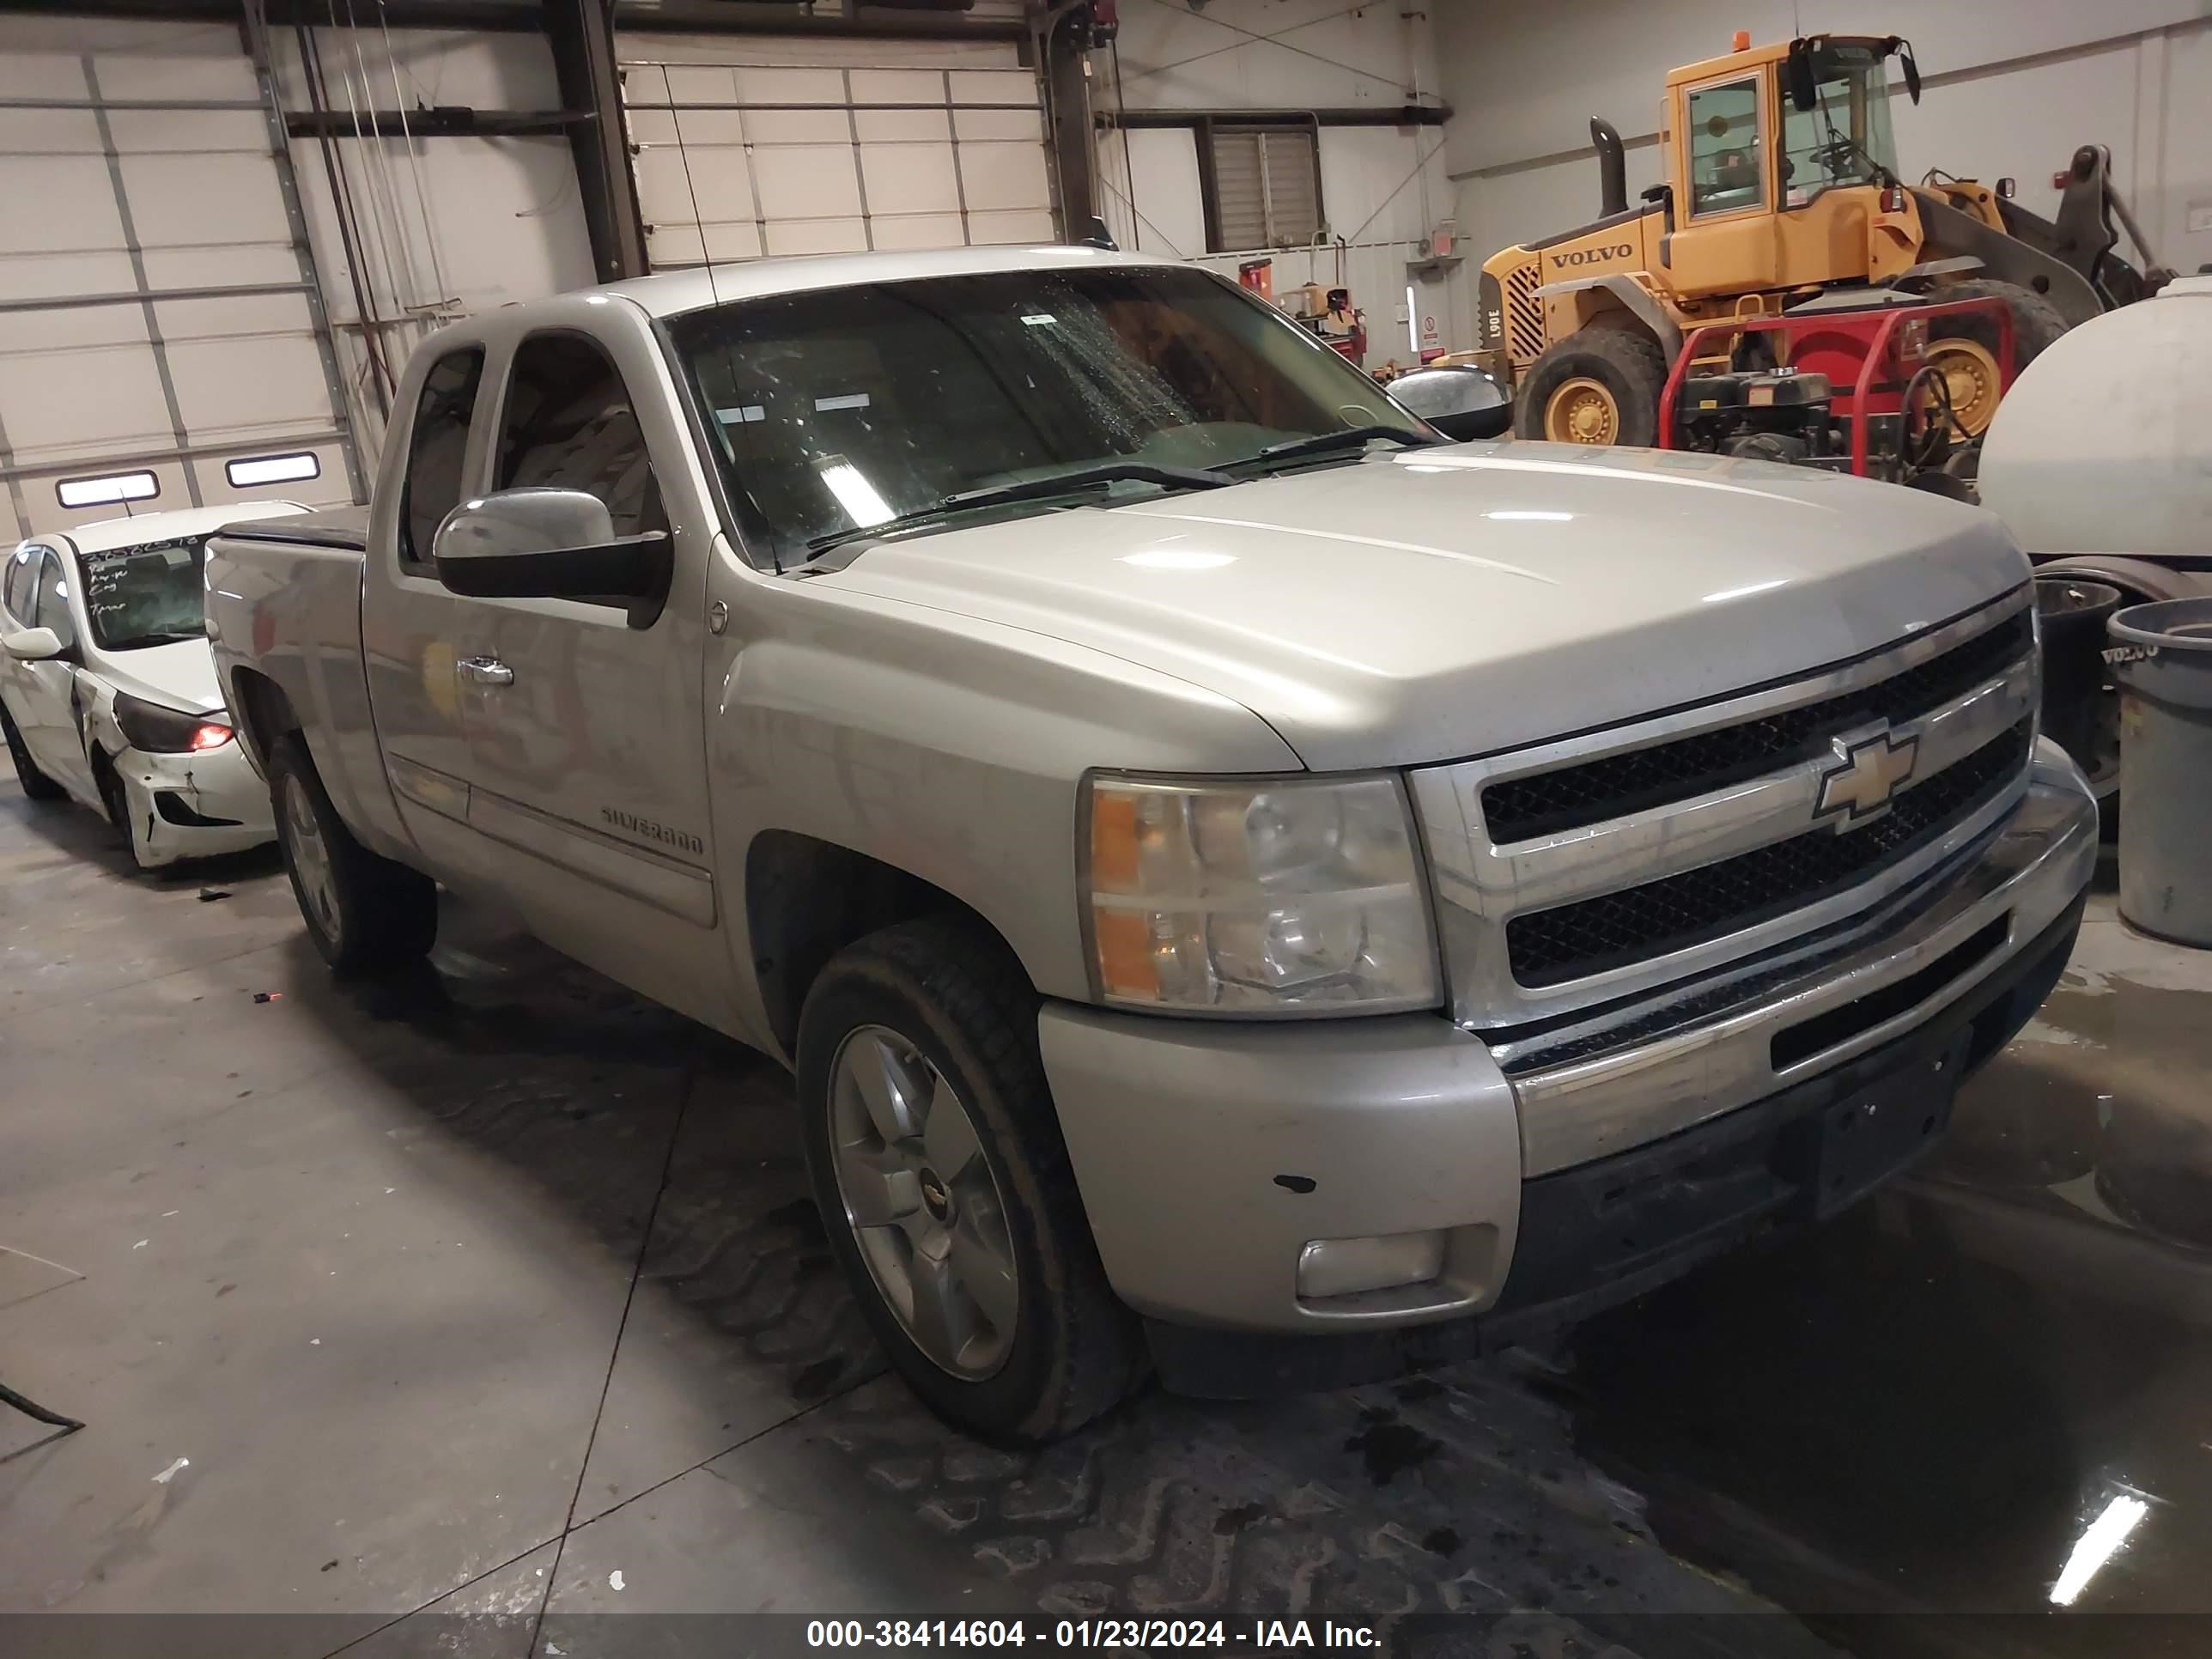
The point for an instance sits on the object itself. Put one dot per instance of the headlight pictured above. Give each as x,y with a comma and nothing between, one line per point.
1282,897
158,730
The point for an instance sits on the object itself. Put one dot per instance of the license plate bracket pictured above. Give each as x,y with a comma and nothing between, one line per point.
1875,1131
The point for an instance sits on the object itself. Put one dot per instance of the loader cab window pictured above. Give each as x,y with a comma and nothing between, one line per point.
1727,159
1846,139
437,452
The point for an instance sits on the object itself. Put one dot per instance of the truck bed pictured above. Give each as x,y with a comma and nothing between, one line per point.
344,528
284,623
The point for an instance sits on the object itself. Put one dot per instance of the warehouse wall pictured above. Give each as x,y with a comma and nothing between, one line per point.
2011,90
445,226
1382,188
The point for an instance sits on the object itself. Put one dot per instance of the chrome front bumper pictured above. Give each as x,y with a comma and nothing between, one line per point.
1208,1153
2025,876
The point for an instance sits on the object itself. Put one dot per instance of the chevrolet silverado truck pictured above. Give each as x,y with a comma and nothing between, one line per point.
1248,889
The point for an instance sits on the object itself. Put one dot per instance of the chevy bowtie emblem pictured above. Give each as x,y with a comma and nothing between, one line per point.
1864,777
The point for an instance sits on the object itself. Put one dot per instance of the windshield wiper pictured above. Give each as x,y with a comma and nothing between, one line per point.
1350,437
1035,489
140,641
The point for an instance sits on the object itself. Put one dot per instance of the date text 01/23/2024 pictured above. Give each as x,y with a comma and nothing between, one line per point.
989,1634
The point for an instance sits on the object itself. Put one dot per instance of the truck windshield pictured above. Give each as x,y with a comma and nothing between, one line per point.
149,594
1846,139
842,409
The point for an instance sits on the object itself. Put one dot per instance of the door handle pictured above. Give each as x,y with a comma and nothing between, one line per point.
486,671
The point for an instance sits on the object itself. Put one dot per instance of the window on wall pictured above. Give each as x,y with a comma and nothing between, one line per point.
1265,186
1725,172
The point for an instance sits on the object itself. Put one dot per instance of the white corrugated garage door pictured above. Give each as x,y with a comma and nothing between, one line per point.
157,315
895,145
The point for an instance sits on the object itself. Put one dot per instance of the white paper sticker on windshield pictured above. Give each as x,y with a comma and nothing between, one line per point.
850,400
1041,320
741,415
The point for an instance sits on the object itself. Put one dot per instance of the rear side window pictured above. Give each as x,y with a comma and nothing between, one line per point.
437,452
23,580
569,424
53,600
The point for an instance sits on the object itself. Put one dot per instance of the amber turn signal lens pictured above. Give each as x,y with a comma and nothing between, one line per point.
1124,943
1112,843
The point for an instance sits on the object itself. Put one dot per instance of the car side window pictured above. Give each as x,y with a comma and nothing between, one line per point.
53,600
22,582
437,452
569,424
1725,170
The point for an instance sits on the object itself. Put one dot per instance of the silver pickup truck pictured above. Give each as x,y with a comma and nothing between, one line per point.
1246,888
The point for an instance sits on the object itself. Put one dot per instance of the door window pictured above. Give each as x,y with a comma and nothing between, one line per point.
22,582
53,600
437,452
569,424
1726,163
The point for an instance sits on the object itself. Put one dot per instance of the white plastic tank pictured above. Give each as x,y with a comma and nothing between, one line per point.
2104,444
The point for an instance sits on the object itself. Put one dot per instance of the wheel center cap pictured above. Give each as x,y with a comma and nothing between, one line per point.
936,1196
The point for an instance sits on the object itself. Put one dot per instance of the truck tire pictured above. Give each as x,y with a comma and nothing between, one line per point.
364,912
945,1189
37,786
1600,386
1967,346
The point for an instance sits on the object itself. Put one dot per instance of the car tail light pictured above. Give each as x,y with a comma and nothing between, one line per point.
210,736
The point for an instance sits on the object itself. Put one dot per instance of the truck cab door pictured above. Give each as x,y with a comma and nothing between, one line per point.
586,720
415,629
1724,240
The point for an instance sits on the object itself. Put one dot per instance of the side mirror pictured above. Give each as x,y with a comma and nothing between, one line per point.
1911,65
548,544
33,645
1797,76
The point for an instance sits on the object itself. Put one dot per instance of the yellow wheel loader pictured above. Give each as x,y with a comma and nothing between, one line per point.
1781,192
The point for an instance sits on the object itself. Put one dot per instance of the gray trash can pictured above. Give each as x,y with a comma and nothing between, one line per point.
2161,658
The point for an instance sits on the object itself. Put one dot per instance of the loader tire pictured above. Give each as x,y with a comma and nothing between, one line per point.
1600,386
1967,346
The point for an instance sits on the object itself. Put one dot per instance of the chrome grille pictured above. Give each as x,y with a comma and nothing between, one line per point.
1576,939
1610,866
1519,809
1524,313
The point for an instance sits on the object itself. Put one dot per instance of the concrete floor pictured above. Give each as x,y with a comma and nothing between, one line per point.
463,1312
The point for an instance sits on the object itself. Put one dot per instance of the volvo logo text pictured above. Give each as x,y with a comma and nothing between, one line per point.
1864,777
1591,255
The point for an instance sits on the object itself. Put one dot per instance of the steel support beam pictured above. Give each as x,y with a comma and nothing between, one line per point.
1406,115
140,296
928,21
441,121
582,35
1063,42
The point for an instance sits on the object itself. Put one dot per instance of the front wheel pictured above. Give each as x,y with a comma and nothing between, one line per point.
1600,386
364,912
1963,349
938,1165
37,786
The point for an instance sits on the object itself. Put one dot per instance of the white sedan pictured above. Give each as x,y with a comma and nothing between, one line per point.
107,690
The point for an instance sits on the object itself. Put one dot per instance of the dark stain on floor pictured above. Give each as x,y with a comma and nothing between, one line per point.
1387,1448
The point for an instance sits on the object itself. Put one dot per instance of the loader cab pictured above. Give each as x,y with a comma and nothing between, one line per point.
1783,167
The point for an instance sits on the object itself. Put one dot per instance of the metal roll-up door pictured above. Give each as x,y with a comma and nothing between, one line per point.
736,158
162,340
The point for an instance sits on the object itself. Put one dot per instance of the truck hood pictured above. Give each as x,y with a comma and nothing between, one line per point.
1441,603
